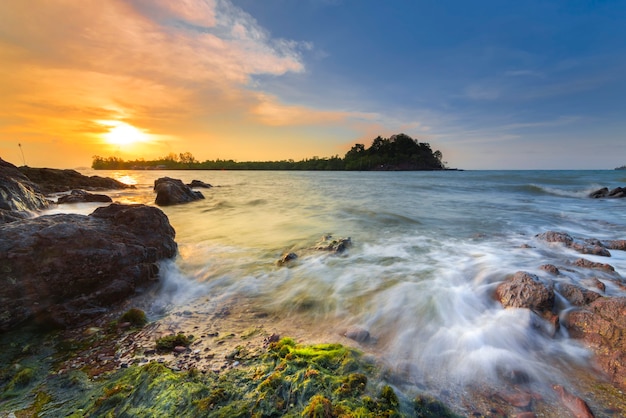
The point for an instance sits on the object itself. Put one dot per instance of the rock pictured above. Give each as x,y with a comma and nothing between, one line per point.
581,262
577,295
550,268
19,197
52,180
603,192
525,290
576,405
173,191
358,334
618,192
81,196
287,257
63,269
518,399
619,244
588,246
553,236
198,184
602,326
595,282
328,243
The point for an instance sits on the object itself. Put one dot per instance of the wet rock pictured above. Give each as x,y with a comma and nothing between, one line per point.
587,246
595,283
525,290
286,258
328,243
619,244
597,194
581,262
577,295
63,269
550,268
19,197
198,184
81,196
173,192
576,405
517,399
618,192
602,326
554,236
52,180
357,334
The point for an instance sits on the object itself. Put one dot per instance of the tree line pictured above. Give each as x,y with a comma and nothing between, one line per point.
398,152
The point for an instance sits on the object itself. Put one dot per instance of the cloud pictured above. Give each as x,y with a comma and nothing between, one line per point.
144,57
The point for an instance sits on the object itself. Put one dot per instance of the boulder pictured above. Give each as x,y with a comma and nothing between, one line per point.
525,290
81,196
173,191
577,295
199,184
618,192
52,180
19,197
596,194
602,326
586,246
63,269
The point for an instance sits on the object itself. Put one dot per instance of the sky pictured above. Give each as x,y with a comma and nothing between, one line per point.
492,84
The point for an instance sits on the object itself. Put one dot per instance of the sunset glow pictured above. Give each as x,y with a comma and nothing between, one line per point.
121,133
272,80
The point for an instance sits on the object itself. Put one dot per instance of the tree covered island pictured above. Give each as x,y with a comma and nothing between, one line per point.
398,152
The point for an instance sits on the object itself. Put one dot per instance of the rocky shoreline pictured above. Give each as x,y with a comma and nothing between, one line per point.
69,279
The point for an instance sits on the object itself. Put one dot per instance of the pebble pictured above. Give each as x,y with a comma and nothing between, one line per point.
180,349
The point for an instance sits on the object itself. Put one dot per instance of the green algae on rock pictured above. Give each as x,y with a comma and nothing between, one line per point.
324,380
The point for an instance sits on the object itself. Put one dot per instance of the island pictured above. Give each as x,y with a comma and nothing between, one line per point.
397,153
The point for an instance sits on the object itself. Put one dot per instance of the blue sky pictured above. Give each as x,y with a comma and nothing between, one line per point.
531,84
491,84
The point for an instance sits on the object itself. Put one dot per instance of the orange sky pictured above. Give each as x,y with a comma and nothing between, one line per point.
492,85
114,78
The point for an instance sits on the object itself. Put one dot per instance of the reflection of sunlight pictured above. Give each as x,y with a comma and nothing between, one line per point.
126,179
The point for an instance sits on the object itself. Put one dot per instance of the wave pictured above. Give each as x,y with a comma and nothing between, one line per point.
536,189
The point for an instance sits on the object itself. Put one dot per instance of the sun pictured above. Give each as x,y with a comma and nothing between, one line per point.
121,133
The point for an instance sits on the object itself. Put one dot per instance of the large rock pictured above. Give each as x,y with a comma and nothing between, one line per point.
618,192
19,197
52,180
525,290
173,192
62,269
602,326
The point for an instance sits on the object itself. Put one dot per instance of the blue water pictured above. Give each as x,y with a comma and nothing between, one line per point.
428,250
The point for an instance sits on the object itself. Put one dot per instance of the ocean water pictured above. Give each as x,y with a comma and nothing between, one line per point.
428,250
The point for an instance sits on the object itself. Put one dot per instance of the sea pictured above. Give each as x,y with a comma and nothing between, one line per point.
428,250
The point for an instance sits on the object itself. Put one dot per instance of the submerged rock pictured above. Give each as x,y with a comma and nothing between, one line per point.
173,191
587,246
19,196
81,196
335,245
61,269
